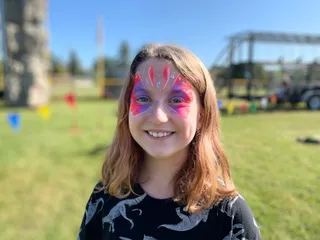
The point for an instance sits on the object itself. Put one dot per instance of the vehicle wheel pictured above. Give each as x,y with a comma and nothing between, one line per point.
313,103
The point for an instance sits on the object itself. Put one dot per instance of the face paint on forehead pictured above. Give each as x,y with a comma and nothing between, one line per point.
151,75
155,78
166,76
180,84
137,81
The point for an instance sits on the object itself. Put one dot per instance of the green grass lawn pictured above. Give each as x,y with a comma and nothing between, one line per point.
47,173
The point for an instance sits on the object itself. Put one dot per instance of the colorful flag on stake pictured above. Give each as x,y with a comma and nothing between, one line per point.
219,104
70,99
253,107
44,112
230,108
264,103
14,121
243,108
273,99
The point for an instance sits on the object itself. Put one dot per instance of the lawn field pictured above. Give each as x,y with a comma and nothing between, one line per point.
47,172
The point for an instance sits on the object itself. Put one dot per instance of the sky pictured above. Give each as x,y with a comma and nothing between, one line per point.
201,26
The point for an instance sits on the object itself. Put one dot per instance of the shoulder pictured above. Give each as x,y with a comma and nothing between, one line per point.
101,199
238,218
98,189
90,227
98,198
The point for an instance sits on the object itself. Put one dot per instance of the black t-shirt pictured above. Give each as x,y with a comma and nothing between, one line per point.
142,217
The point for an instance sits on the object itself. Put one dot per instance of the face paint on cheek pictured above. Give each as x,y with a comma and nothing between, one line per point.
136,107
185,89
182,111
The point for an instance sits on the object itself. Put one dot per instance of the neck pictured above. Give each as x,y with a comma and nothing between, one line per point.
157,175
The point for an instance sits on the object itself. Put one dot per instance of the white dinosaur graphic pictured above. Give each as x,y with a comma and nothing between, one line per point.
232,236
227,209
91,210
227,206
188,222
120,209
145,237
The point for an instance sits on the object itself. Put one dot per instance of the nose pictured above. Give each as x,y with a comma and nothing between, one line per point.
159,114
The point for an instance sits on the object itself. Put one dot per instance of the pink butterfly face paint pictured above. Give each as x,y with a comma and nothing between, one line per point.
151,75
139,98
176,89
140,101
165,76
182,97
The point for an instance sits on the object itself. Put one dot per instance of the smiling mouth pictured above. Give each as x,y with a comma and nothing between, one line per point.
159,134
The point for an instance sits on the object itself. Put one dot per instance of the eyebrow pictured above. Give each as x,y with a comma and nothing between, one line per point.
179,91
143,90
140,89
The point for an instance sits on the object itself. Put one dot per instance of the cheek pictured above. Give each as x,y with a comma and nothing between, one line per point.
187,116
182,110
136,108
134,123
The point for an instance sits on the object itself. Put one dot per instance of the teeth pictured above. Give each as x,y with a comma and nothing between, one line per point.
159,134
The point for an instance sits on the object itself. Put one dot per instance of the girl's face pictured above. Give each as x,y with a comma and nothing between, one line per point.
164,110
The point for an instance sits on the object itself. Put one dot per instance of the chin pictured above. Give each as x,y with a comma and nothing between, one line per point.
160,154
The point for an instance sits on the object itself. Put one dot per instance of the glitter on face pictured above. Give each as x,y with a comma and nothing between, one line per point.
166,76
180,97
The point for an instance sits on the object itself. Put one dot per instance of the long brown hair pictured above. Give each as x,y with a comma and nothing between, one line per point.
205,177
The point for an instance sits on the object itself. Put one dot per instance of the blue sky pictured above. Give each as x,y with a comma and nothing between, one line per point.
201,26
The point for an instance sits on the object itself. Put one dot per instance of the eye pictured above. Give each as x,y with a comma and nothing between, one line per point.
176,100
143,99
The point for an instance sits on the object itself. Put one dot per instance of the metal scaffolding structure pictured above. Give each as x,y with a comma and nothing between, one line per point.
275,37
237,40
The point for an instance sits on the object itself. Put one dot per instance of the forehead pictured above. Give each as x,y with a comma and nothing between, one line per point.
158,65
160,76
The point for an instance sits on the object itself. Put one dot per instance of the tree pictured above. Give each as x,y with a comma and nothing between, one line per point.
124,53
74,65
1,78
111,67
57,66
239,71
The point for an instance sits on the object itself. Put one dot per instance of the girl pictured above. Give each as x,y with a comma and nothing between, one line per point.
166,175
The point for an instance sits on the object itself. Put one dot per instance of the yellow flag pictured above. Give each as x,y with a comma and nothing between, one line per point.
44,112
230,108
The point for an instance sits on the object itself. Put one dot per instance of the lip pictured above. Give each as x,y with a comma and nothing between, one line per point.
159,138
159,130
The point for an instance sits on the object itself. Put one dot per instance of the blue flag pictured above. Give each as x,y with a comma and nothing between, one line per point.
14,121
219,104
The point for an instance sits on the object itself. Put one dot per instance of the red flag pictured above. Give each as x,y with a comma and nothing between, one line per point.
243,108
273,99
70,99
